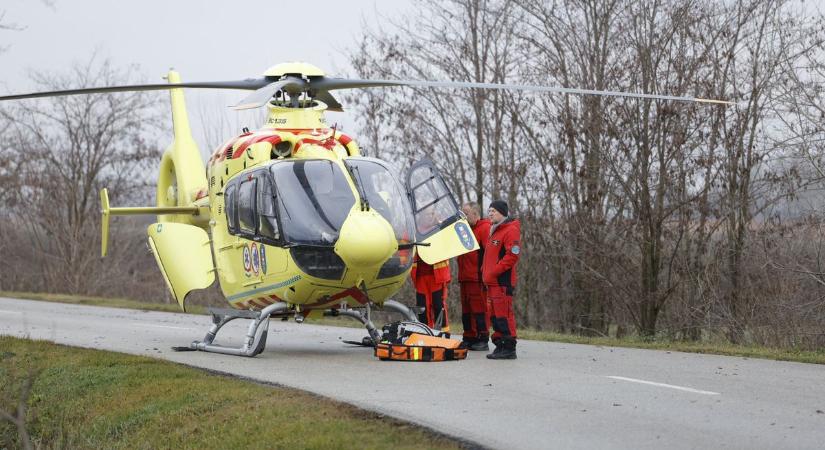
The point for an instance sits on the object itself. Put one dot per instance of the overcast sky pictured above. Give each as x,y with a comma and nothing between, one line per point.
203,40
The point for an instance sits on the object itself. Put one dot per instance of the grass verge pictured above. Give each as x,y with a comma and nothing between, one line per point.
94,399
714,348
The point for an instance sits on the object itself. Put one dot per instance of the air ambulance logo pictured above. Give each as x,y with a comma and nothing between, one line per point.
256,261
247,260
463,232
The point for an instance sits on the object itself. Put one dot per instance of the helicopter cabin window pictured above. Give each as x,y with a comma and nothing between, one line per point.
267,220
432,201
247,206
231,208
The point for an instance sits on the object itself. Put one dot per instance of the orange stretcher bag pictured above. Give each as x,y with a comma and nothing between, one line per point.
420,347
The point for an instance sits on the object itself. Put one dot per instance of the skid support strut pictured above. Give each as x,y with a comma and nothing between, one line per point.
255,339
402,309
363,316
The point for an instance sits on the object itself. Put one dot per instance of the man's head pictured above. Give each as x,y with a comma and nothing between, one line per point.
472,211
429,218
497,211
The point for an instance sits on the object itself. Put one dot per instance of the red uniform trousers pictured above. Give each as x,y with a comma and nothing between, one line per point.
474,313
501,312
433,297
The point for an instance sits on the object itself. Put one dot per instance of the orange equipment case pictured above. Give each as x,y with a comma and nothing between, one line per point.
420,347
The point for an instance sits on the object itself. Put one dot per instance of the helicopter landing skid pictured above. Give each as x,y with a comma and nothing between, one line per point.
255,340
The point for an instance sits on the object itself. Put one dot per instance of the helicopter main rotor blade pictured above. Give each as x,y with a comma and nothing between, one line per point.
263,95
341,83
249,84
330,101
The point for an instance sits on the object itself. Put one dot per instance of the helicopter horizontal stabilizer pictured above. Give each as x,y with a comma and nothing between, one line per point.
106,211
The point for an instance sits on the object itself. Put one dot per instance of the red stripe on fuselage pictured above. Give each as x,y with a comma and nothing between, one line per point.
328,144
344,139
271,138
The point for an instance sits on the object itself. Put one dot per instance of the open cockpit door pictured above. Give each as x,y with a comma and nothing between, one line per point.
438,218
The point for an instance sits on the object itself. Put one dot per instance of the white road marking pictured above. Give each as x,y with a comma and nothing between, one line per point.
4,311
671,386
160,326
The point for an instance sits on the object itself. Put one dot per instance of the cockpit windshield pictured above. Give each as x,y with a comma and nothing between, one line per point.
384,195
313,199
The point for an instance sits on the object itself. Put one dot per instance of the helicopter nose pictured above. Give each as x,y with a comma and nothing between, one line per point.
366,239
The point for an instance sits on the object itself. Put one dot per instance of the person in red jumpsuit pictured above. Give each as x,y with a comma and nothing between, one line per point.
498,272
474,314
430,283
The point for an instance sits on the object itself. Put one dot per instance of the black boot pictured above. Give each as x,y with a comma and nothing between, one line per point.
497,344
505,349
480,344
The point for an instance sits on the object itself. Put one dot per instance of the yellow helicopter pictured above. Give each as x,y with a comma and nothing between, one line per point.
291,217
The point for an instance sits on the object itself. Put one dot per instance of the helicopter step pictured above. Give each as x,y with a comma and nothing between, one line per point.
256,335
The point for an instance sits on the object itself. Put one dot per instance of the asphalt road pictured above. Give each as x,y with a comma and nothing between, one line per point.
553,396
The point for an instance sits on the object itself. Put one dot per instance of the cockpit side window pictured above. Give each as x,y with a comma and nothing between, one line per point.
267,214
433,203
247,206
230,199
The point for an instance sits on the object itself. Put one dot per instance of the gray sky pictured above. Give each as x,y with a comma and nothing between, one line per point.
203,40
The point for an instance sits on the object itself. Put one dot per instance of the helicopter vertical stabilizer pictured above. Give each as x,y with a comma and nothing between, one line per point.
181,180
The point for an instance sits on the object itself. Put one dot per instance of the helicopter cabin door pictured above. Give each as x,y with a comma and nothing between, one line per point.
184,257
439,221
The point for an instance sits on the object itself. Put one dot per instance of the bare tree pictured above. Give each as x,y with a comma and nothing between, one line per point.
463,130
58,153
